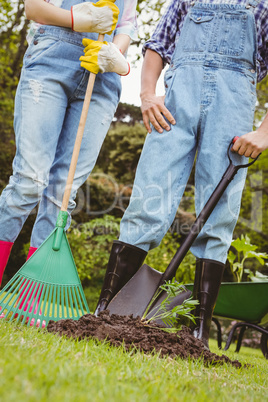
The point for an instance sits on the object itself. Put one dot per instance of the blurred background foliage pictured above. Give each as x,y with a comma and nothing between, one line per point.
104,197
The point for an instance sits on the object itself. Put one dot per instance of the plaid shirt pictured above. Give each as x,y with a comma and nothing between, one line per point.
169,27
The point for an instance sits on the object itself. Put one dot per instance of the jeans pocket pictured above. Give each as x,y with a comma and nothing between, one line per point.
229,34
39,47
251,82
243,86
195,32
252,93
168,77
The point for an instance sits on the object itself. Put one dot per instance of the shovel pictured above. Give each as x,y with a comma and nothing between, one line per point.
49,279
139,291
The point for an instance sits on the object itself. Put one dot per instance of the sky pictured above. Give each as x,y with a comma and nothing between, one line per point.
131,83
131,86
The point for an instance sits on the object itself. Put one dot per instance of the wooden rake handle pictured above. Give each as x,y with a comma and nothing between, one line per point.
78,140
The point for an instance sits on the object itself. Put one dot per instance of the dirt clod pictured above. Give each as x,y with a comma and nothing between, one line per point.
133,333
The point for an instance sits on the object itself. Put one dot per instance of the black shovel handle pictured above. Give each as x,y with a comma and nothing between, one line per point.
204,215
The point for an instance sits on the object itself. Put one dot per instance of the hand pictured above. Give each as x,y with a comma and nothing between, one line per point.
100,17
103,57
153,111
251,144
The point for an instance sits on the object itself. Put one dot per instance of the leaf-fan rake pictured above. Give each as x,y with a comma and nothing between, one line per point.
47,287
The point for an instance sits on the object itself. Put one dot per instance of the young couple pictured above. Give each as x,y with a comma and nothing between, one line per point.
217,50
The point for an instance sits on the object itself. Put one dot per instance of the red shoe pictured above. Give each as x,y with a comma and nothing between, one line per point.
5,249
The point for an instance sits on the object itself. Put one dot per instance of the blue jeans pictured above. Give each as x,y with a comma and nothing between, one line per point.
211,94
48,106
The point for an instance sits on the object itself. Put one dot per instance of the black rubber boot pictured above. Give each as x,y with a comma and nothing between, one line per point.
124,262
208,277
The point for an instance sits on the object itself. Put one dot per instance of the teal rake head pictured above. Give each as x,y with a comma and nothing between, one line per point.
47,287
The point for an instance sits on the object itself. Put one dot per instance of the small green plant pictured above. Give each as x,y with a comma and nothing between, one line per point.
244,250
257,277
175,317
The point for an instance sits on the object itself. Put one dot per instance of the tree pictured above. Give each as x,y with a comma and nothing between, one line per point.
13,31
121,151
149,13
126,113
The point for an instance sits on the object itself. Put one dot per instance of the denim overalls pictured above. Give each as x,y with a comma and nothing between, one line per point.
211,92
48,106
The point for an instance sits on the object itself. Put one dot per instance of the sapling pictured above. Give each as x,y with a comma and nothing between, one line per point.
244,250
175,317
257,277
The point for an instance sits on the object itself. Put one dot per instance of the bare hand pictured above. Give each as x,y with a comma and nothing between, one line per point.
251,144
153,111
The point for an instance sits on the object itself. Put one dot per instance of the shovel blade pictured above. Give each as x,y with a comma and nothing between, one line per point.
137,293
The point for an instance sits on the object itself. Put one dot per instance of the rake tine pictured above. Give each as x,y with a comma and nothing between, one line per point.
36,304
9,296
75,302
78,290
86,309
44,306
44,302
49,303
79,300
58,302
62,303
25,302
67,302
71,303
54,302
20,296
15,279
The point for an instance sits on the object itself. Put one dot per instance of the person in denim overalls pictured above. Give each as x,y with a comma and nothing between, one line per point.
48,106
210,98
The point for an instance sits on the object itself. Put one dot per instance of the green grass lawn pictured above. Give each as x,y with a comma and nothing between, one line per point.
38,366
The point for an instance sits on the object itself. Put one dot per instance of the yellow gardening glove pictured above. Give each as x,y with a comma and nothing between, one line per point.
102,57
100,17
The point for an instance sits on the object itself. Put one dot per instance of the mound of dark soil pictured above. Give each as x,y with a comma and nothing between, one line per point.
133,333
